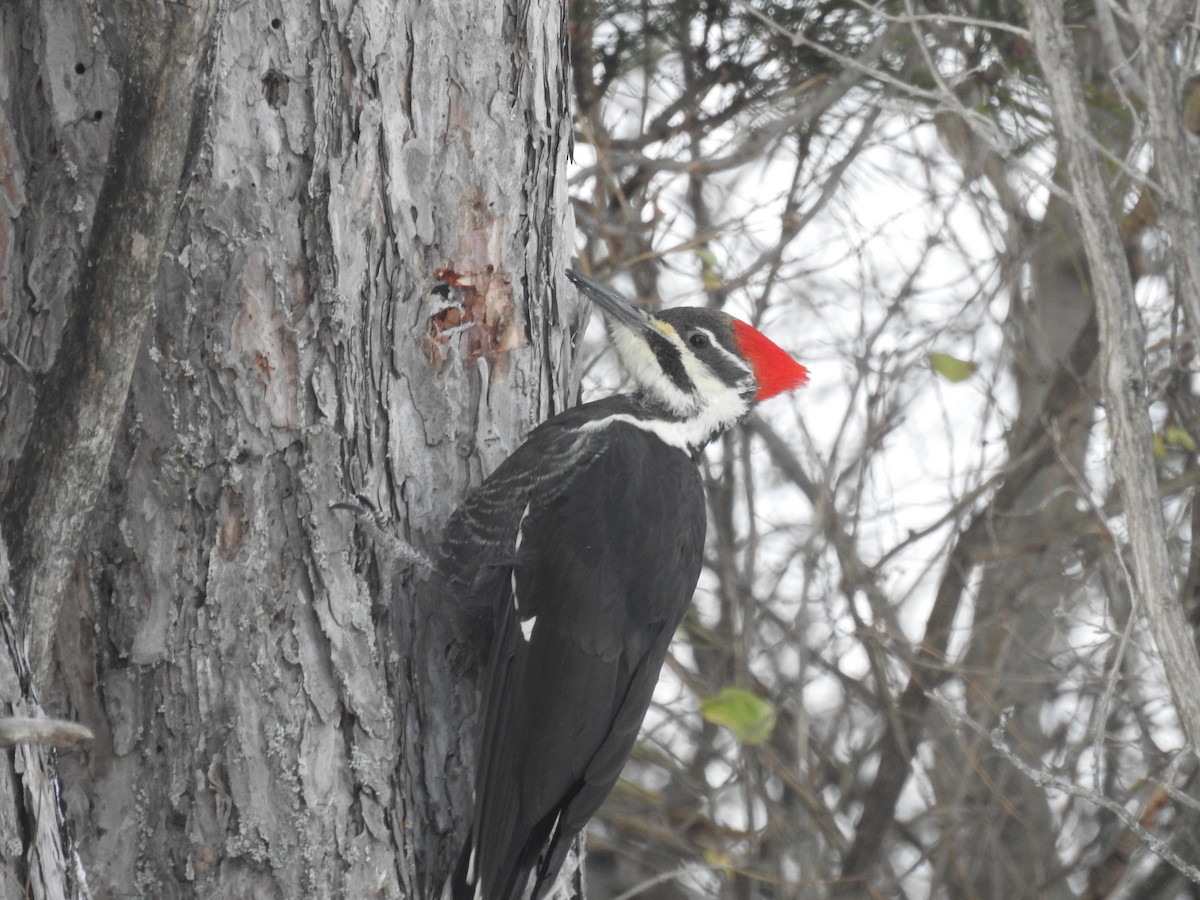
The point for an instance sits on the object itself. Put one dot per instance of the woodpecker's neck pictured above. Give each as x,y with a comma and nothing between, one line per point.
689,433
683,399
698,371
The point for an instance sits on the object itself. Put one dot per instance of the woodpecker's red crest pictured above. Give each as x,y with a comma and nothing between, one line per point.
774,370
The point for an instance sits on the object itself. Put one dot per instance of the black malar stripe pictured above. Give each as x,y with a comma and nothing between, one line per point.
670,360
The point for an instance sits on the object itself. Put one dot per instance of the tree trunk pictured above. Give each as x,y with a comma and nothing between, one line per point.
361,297
38,855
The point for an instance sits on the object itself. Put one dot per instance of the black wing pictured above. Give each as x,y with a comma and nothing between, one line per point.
606,565
477,550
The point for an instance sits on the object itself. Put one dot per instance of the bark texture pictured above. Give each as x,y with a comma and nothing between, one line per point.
82,397
38,851
361,297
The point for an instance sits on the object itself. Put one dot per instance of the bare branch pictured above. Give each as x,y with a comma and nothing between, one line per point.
1123,347
1044,779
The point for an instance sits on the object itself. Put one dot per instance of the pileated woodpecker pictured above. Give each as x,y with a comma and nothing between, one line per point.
585,546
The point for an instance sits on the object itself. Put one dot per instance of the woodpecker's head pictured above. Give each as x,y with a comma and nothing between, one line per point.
698,366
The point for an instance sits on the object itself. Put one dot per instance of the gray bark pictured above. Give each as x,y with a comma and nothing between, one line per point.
1179,196
67,452
361,297
38,852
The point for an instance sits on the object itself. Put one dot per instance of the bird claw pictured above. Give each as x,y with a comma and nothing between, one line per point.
380,529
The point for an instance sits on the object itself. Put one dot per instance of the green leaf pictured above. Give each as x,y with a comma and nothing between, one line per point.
710,272
750,717
951,368
720,861
1179,437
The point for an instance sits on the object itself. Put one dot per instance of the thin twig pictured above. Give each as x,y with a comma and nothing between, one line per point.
1045,779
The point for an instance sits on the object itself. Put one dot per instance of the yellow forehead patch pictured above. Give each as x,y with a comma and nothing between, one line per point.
664,328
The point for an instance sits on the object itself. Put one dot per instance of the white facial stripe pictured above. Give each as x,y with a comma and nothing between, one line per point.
711,408
702,376
527,628
732,357
644,368
722,404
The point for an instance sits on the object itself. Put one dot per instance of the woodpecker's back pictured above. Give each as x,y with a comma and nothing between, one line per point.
603,536
585,547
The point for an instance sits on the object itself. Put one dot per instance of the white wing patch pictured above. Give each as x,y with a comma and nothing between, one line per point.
516,548
526,624
520,525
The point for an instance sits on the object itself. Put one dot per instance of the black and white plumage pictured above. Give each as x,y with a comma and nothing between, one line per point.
586,545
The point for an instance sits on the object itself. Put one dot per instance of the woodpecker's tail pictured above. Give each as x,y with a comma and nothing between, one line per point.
469,880
507,877
462,885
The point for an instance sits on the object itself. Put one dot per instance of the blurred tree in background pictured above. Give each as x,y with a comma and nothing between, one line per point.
977,224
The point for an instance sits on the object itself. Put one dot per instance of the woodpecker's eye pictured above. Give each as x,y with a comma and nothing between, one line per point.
699,340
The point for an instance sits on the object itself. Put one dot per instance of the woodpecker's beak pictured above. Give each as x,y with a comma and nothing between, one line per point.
613,305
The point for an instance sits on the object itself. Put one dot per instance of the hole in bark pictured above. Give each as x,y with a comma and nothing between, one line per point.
275,88
98,115
276,24
80,68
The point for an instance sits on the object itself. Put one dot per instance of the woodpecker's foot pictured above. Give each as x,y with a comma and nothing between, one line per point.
380,530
